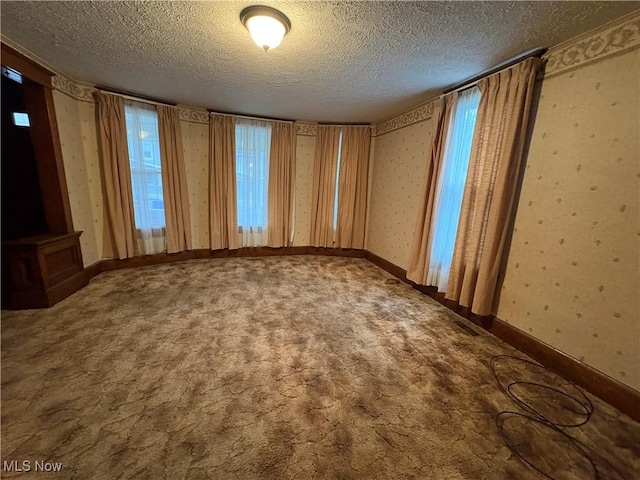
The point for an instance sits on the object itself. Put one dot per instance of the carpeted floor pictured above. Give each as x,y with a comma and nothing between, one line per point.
276,368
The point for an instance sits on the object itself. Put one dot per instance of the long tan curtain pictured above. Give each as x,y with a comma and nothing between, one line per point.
174,181
352,188
494,165
418,269
282,163
223,221
325,164
119,226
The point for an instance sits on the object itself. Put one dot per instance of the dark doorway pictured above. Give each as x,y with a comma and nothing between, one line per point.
22,207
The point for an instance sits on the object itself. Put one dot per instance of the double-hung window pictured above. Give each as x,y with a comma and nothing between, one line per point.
253,142
146,176
450,186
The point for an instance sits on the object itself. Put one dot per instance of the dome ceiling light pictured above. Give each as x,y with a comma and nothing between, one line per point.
266,25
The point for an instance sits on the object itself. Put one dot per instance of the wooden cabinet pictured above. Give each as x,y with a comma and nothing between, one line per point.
42,270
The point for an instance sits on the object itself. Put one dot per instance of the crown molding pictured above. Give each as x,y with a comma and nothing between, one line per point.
417,114
615,37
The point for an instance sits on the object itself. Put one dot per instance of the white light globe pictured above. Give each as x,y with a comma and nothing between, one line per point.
267,32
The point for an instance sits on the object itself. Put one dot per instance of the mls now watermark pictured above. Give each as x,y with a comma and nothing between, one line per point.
28,466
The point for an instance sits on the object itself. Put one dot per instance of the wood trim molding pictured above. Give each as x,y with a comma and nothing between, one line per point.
161,258
621,396
93,270
27,67
45,138
48,153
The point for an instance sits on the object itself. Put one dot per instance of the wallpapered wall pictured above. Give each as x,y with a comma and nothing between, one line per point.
399,160
76,124
195,144
572,278
78,136
305,149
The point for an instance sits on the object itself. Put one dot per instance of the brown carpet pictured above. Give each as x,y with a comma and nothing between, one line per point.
275,368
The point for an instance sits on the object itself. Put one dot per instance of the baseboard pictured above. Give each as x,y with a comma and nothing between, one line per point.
160,258
68,286
93,270
621,396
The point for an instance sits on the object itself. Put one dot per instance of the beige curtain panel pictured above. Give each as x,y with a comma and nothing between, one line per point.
325,164
420,253
119,235
282,164
494,166
352,188
223,223
174,181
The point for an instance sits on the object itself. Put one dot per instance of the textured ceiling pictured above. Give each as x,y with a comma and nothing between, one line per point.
341,62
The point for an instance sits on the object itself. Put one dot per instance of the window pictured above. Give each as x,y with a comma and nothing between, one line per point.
335,199
146,175
12,74
450,187
253,142
21,119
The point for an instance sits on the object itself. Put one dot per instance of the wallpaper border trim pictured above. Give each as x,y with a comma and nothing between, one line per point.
193,115
620,35
84,92
307,129
79,91
422,112
608,39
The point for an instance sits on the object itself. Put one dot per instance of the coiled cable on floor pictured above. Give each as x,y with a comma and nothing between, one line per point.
577,405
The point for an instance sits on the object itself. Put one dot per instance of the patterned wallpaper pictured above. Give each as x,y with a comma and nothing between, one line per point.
305,149
195,144
87,115
76,119
572,278
397,182
72,129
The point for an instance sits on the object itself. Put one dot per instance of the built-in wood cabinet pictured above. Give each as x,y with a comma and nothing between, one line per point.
40,271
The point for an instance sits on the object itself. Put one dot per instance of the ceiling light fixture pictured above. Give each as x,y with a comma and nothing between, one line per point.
266,25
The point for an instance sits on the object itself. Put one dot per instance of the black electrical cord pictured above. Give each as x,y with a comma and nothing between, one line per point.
584,410
502,417
584,401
